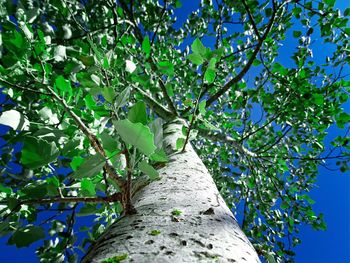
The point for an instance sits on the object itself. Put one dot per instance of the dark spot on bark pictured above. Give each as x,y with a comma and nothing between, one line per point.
175,219
210,246
173,234
183,242
139,220
198,242
129,237
162,247
244,258
231,260
149,242
169,253
242,239
219,220
209,211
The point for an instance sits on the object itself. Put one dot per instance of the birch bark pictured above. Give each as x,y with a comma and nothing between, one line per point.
205,231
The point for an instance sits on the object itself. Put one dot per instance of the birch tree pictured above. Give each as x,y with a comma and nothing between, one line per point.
164,130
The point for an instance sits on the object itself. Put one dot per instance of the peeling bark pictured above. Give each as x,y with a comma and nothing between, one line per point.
180,218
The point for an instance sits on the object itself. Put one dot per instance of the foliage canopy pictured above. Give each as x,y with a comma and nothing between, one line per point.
88,84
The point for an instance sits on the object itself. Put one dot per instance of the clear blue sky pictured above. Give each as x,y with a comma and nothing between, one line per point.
332,196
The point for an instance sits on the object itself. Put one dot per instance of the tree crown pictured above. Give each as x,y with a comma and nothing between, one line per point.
89,85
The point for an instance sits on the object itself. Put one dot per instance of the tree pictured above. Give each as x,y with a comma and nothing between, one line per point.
113,109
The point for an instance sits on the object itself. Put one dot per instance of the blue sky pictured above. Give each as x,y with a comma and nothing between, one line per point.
332,196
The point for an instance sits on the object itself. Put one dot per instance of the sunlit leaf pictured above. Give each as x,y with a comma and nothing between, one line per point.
148,170
137,135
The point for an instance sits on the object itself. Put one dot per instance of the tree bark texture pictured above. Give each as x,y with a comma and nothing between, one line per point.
205,231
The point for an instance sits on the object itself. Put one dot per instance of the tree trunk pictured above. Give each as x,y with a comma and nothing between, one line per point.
205,231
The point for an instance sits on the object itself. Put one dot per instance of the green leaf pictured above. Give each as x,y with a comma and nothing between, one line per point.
14,119
270,258
342,119
330,2
201,107
122,98
87,209
137,135
63,84
88,187
347,11
146,46
155,232
178,4
212,63
148,170
49,134
198,47
196,59
159,156
23,237
108,142
296,34
284,205
91,166
180,142
116,259
109,94
318,99
37,152
138,113
35,191
176,212
156,128
6,190
70,148
76,162
17,40
169,89
166,67
209,75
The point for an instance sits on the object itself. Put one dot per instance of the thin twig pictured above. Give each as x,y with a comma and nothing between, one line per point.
23,88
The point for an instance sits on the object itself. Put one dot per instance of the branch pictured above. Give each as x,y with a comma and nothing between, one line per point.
23,88
129,209
43,201
238,77
304,158
59,199
159,22
251,20
275,143
215,136
95,143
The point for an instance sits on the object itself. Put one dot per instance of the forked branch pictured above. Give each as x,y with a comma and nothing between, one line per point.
246,68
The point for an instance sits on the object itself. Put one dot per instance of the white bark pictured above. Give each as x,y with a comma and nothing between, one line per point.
206,230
